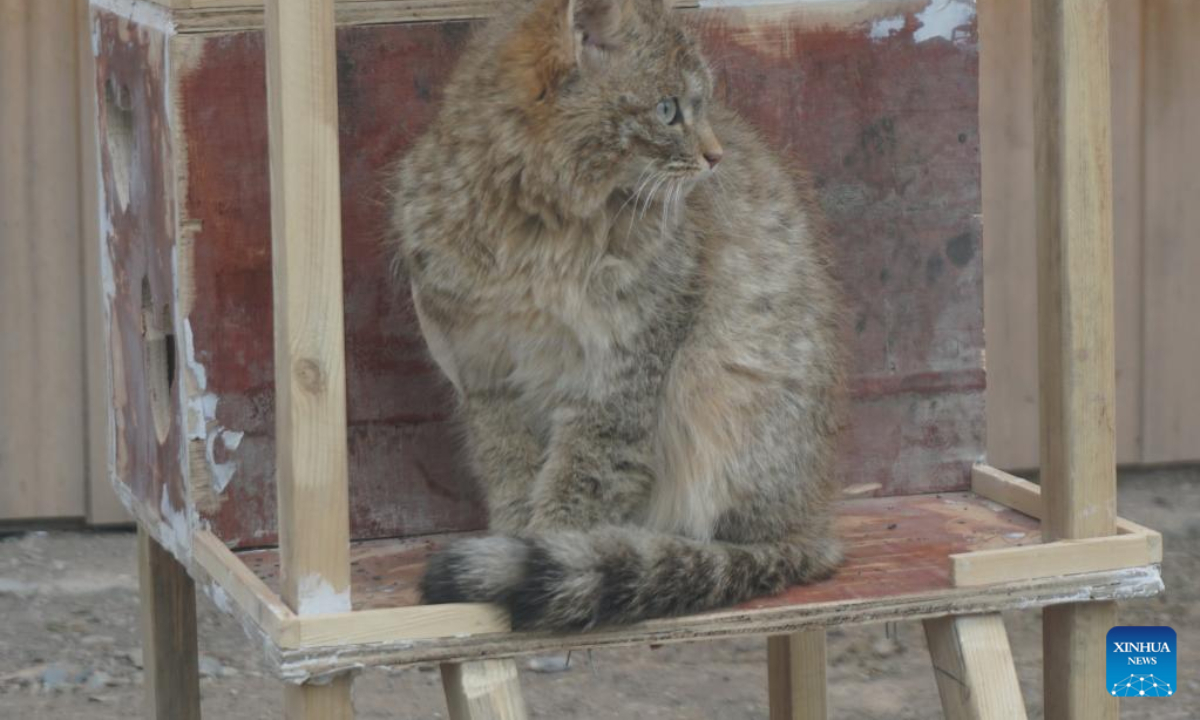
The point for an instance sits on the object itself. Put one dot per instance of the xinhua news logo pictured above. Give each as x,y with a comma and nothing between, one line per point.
1141,661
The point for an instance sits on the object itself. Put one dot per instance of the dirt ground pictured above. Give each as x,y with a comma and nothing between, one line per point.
69,646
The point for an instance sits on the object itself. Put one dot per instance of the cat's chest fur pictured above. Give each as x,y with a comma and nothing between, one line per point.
559,305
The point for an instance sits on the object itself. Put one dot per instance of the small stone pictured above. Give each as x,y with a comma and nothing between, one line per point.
27,676
97,680
57,677
549,663
91,640
134,657
886,647
210,667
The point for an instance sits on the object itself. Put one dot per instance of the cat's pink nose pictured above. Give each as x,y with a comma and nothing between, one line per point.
713,157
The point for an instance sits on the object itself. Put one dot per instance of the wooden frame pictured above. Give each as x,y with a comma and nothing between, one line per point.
1133,546
304,647
315,638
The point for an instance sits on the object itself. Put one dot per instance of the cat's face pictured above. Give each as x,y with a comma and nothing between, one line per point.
620,90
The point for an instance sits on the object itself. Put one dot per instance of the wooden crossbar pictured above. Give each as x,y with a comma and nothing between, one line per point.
1134,546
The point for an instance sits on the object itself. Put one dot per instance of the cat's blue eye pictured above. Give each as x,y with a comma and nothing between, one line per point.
668,111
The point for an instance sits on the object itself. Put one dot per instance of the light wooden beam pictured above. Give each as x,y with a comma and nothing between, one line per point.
1063,557
1026,497
796,675
169,650
483,690
1073,156
974,667
310,387
330,701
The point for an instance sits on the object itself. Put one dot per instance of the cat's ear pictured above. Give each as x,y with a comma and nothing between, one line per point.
594,28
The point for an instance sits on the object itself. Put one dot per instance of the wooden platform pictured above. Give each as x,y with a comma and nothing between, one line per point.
910,557
894,546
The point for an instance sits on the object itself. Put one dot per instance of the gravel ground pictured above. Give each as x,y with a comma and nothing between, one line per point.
69,646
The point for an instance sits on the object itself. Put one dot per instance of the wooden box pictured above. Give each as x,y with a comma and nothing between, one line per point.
877,100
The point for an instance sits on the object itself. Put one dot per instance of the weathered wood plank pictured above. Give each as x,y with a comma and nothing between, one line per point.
169,649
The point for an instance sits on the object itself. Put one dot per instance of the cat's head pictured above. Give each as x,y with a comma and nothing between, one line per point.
614,92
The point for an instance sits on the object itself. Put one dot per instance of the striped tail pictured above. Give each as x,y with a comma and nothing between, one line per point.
573,580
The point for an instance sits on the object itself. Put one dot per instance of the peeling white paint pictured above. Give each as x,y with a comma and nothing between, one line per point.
142,12
318,597
941,18
176,530
232,439
220,598
222,472
199,374
882,29
201,410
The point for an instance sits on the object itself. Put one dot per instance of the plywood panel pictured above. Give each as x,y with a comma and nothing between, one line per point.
103,507
894,546
41,379
137,259
1171,352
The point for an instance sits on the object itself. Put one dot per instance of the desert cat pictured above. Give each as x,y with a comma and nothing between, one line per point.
628,293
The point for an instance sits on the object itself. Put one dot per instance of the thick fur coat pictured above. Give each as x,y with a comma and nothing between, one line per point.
629,293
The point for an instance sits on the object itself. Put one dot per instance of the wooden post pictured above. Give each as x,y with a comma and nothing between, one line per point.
310,389
974,667
169,654
1072,115
320,702
483,690
796,675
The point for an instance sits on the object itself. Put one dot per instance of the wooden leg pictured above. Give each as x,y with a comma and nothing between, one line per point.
1073,654
796,675
483,690
330,701
974,666
170,657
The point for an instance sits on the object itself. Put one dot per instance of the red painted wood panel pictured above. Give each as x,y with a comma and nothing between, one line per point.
137,226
